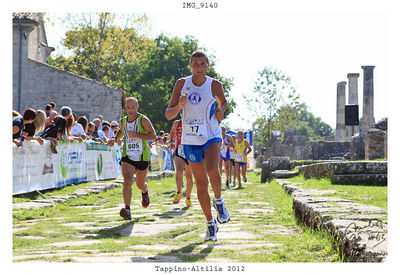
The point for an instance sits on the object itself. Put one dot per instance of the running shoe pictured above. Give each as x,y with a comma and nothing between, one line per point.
178,197
227,184
188,202
234,184
212,229
145,199
244,179
223,215
240,186
125,213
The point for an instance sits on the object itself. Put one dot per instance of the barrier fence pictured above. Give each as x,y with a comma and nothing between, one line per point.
36,168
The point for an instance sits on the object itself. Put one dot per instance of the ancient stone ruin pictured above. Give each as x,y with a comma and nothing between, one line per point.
351,142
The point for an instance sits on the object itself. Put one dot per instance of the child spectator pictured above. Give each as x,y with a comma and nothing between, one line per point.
48,110
78,130
53,106
66,112
55,131
32,129
18,125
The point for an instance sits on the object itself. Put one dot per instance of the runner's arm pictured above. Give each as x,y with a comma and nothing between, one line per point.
151,133
248,147
177,101
218,92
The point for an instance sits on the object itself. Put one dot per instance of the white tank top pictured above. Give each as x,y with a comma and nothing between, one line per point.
199,123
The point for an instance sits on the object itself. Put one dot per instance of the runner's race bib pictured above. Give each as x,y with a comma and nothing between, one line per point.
195,129
180,151
239,156
223,150
134,148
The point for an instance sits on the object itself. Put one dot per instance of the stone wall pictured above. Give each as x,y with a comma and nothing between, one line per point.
44,83
363,172
297,147
328,150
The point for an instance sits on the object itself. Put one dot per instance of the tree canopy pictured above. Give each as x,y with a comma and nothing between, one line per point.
277,106
125,58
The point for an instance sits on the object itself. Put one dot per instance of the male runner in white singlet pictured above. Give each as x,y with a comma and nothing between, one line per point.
196,96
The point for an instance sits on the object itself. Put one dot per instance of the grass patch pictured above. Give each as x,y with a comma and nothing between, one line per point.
363,194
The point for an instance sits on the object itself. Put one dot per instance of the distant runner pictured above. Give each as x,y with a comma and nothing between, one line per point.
226,156
181,164
242,149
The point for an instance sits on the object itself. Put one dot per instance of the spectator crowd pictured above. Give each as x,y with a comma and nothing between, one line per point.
66,125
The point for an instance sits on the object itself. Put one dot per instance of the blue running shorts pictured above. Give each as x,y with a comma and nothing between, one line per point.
195,153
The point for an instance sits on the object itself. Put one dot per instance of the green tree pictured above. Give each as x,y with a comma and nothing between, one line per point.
303,121
153,80
99,48
272,90
127,59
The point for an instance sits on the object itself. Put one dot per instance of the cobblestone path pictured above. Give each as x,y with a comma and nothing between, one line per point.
89,229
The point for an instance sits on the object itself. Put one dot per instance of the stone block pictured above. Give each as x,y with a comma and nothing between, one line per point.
288,135
357,147
381,124
284,174
375,144
372,179
259,161
279,163
265,172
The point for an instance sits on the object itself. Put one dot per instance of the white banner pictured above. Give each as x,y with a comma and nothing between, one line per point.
35,167
100,161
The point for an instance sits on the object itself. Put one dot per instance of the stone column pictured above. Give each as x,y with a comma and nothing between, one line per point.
368,98
340,102
352,99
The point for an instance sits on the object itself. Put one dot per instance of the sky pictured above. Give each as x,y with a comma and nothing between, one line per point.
316,48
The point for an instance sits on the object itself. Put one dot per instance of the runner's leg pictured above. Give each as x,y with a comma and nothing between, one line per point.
200,176
141,180
220,165
211,158
237,166
127,172
179,166
244,168
227,169
189,181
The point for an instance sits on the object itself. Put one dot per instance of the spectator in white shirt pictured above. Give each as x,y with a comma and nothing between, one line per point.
77,130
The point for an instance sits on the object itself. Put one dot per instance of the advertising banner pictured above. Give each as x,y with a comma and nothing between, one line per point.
35,167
